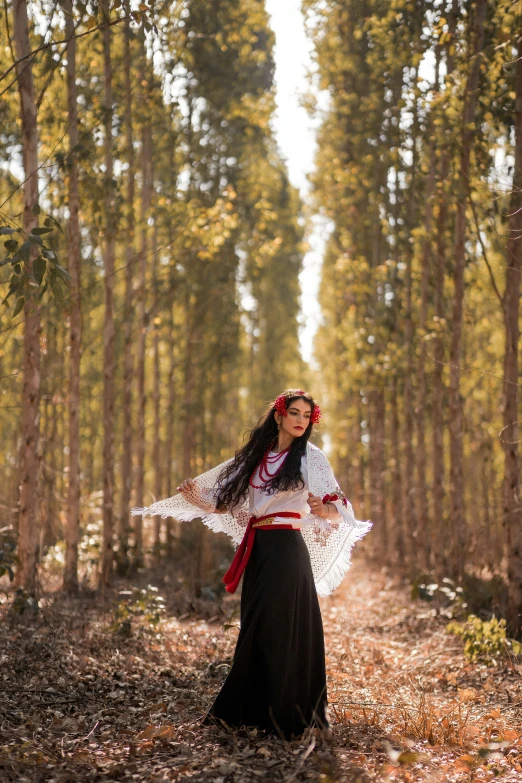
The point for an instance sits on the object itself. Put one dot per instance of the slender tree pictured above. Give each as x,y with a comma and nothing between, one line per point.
443,200
129,325
28,533
512,500
72,531
108,326
143,313
456,423
156,394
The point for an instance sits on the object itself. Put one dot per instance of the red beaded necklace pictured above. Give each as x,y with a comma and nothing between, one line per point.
264,473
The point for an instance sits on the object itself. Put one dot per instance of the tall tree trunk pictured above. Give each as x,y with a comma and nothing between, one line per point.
457,512
438,493
497,506
108,327
364,505
408,484
72,529
410,505
49,447
352,480
157,386
171,342
89,468
374,465
440,520
129,322
380,429
169,438
512,509
189,366
28,532
396,491
143,316
425,526
189,392
486,533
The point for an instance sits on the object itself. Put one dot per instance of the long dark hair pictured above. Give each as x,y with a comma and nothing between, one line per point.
231,490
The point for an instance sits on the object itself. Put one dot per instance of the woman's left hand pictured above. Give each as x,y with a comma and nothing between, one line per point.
316,504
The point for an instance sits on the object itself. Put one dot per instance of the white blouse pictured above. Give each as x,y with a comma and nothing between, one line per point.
261,503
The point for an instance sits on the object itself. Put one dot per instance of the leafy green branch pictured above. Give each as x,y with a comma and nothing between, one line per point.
34,263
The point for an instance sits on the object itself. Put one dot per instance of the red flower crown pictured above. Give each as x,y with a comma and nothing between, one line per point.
280,406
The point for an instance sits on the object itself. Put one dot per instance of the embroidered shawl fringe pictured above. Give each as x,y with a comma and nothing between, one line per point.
337,569
188,512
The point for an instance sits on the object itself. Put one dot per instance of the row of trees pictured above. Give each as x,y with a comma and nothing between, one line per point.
153,251
152,258
419,170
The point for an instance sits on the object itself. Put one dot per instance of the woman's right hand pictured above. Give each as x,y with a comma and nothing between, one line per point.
196,496
186,485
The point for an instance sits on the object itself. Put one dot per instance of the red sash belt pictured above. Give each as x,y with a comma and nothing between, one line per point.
233,575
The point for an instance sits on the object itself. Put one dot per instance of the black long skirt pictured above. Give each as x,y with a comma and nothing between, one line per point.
277,681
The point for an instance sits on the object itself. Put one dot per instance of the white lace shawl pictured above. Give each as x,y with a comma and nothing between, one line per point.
329,542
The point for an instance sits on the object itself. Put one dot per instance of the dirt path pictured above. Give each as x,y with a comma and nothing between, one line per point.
436,708
79,702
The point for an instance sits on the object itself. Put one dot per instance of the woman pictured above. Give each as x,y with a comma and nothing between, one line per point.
279,500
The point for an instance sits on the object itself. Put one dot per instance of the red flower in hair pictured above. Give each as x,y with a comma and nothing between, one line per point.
280,405
316,414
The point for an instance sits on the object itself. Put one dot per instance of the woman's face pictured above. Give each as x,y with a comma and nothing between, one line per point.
297,419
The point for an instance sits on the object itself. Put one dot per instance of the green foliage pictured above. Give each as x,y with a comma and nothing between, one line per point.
484,639
138,602
8,542
34,263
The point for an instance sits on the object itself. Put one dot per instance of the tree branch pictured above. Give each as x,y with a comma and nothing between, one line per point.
64,41
493,281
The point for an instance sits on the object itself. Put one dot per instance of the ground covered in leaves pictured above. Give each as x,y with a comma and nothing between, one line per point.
93,692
